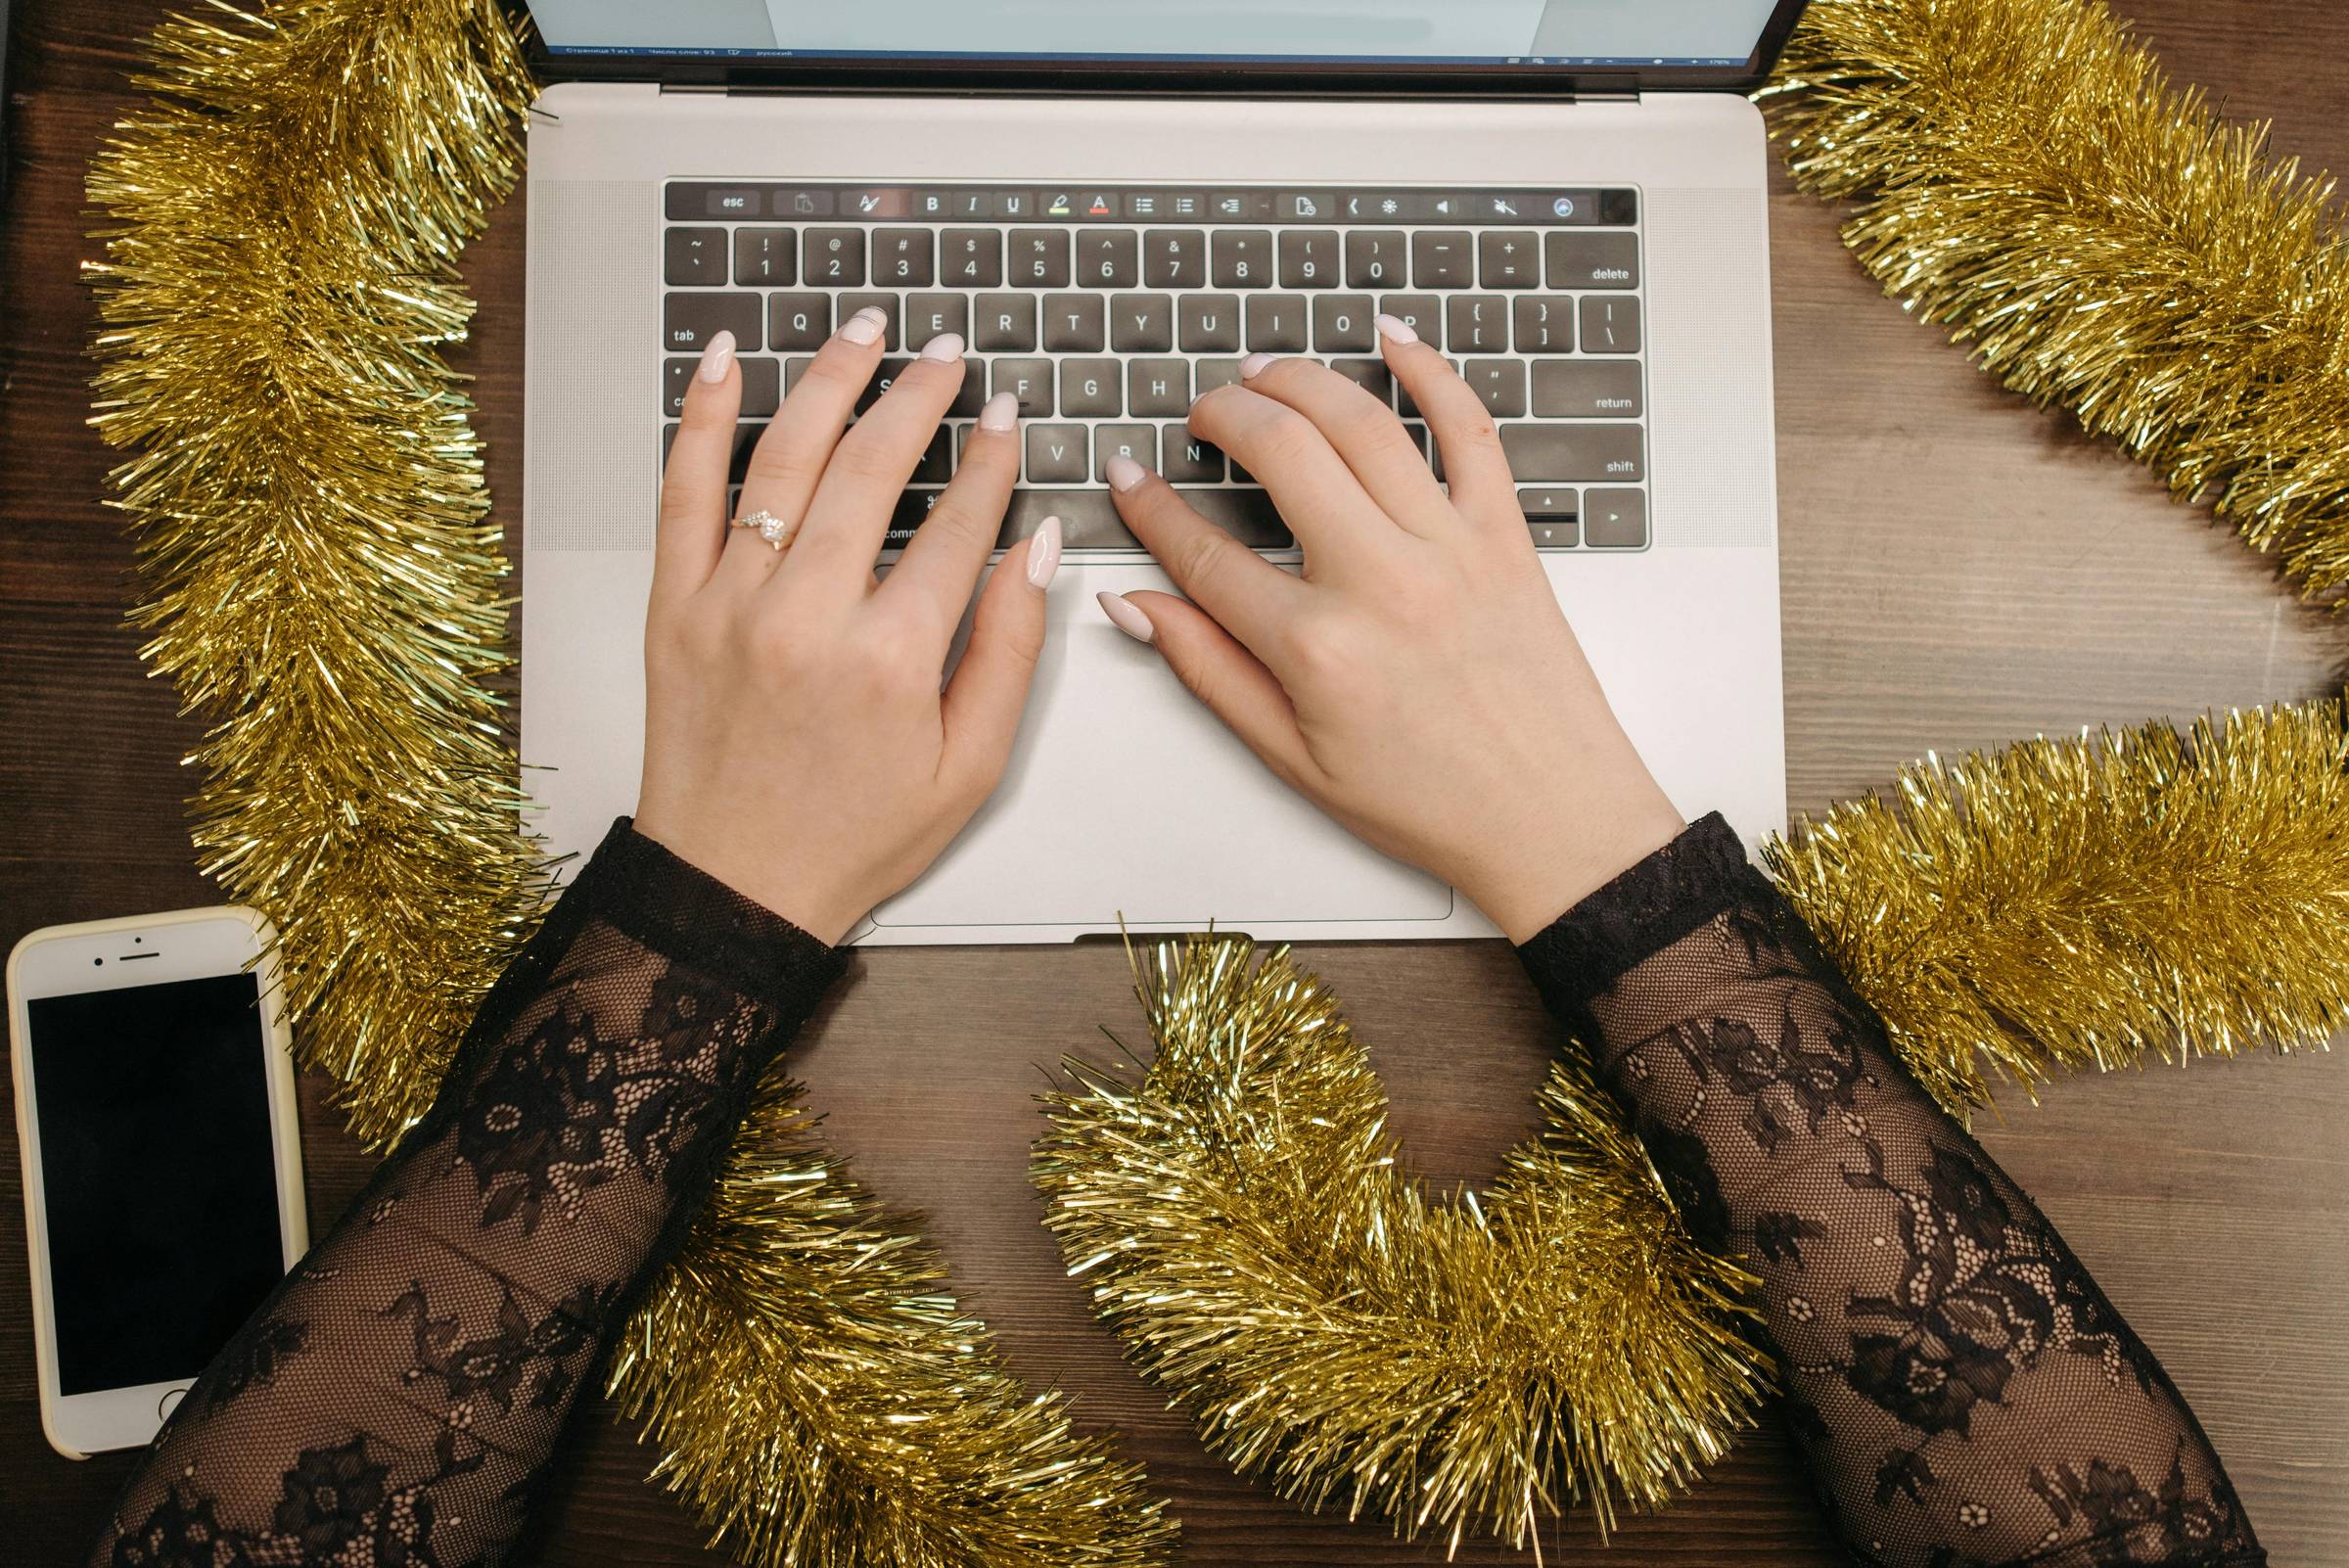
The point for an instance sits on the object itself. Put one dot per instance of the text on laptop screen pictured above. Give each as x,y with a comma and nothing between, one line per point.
1397,32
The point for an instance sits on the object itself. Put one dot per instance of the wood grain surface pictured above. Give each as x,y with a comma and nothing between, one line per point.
1958,570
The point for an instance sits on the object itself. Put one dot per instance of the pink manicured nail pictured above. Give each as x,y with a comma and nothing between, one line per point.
718,358
1126,617
1000,412
866,326
1253,366
946,346
1123,473
1395,328
1044,554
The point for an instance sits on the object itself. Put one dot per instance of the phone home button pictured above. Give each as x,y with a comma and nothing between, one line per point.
169,1403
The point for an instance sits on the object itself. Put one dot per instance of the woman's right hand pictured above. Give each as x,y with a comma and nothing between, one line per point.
1417,680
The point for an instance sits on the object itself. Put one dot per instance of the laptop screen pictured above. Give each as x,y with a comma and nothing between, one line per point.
1574,33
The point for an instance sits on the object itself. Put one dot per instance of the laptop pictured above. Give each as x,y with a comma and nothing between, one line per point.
1114,200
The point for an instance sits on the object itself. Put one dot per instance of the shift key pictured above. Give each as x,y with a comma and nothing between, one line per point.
1543,452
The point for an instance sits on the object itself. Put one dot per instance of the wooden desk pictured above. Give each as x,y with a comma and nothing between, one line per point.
1958,570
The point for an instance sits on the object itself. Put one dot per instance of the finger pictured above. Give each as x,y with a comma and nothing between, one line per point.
791,457
1367,436
1252,597
1231,681
982,704
940,564
693,484
1474,464
849,518
1318,496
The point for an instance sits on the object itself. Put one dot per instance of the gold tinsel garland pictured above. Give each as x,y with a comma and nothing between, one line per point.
1241,1220
323,581
2026,177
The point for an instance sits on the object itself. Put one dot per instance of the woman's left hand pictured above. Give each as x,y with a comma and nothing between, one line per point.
798,744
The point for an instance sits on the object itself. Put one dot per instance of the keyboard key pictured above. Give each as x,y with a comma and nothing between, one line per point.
1211,323
690,320
1610,325
1480,324
1188,459
1508,258
906,519
1276,324
766,258
1246,515
1209,374
929,314
1342,324
1591,261
1501,382
676,374
793,370
1418,433
1423,314
889,304
971,258
1371,375
1616,520
885,375
971,395
1004,322
1109,259
1375,261
937,459
1142,324
1030,379
904,259
1040,259
1242,259
1540,452
835,257
1158,387
1586,389
1173,258
692,257
1545,326
1137,441
1056,454
1088,518
1549,504
1443,260
1308,259
762,387
1073,324
1093,388
797,320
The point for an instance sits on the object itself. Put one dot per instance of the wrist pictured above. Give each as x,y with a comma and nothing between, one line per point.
1542,878
762,874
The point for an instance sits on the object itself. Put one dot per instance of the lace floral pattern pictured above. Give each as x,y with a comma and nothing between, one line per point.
393,1403
1963,1392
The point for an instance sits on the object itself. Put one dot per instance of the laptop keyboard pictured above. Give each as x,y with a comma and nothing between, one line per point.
1109,309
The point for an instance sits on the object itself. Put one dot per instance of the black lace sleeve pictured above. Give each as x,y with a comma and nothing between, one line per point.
1961,1391
394,1403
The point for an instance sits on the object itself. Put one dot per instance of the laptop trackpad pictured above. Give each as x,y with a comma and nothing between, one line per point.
1128,797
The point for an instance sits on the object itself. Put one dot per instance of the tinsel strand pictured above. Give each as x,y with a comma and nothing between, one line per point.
322,580
2026,177
1242,1221
2077,903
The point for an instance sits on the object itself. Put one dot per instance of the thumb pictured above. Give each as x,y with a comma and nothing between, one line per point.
1220,672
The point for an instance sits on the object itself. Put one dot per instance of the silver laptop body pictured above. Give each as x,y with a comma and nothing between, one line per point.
1126,799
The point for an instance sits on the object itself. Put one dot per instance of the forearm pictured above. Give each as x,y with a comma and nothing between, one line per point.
405,1385
1958,1386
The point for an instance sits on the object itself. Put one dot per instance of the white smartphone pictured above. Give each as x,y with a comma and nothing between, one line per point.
161,1137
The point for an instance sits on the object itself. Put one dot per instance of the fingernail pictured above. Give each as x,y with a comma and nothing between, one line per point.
1126,617
1044,554
1123,473
1395,328
718,358
946,346
1000,412
1254,364
866,326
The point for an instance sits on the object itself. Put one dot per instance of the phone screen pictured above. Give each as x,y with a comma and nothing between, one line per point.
158,1175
